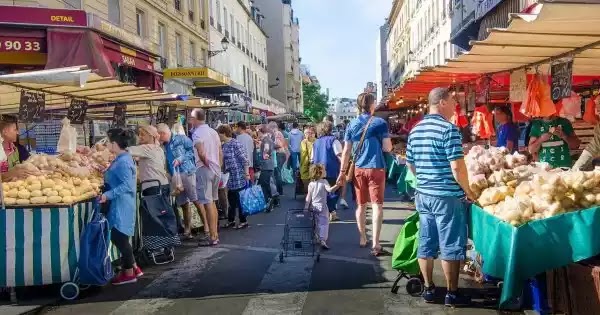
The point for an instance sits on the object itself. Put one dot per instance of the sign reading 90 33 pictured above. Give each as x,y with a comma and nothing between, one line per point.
8,44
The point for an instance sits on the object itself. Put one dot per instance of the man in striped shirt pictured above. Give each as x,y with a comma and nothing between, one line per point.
434,154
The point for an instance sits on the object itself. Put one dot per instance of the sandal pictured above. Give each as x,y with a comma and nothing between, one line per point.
187,236
379,251
242,226
228,225
208,243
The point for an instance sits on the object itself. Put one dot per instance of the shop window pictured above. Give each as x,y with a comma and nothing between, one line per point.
114,12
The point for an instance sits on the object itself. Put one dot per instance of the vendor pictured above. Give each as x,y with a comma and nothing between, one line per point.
151,159
508,132
10,133
552,140
590,152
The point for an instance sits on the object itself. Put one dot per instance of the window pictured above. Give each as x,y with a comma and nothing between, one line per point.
204,56
162,40
177,5
191,9
211,13
73,4
178,50
239,32
225,23
244,74
192,61
140,20
114,12
218,12
232,25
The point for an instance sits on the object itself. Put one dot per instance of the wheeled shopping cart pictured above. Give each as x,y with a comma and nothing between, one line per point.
404,257
300,236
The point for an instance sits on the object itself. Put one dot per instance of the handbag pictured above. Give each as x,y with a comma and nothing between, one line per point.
351,166
252,200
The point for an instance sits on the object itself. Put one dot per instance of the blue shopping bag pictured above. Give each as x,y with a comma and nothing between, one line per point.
252,200
94,264
287,175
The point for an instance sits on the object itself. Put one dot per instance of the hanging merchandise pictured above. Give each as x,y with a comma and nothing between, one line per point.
517,116
569,107
518,85
537,102
459,118
67,141
590,114
482,122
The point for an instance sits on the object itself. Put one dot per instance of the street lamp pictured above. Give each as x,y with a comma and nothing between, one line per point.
276,83
224,44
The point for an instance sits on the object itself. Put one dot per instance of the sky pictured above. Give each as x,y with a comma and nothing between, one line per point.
337,41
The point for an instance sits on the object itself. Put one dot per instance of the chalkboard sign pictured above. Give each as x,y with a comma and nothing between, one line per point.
562,75
162,114
119,115
77,111
31,106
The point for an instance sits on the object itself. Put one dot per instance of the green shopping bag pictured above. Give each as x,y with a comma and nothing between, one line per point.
404,256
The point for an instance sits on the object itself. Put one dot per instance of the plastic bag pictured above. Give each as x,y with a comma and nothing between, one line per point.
569,107
224,180
176,183
538,102
67,142
178,129
287,175
252,200
482,122
589,115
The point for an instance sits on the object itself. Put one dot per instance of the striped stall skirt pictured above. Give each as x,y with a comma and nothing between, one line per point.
42,244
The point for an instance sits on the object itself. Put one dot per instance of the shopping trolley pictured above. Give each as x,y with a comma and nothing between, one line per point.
300,235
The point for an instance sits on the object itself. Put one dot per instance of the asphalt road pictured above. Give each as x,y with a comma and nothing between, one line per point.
243,275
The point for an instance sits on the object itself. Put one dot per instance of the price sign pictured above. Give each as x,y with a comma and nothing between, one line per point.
119,115
77,111
162,114
21,44
562,75
31,106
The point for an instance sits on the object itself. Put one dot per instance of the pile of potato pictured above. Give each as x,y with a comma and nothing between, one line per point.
54,189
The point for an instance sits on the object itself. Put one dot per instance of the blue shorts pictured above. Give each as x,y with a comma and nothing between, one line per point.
442,227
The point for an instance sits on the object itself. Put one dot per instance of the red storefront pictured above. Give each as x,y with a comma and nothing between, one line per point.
38,38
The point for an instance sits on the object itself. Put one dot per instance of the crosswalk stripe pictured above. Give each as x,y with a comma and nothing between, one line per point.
283,289
170,285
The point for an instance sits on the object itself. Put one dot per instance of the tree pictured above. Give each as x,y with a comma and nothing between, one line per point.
315,102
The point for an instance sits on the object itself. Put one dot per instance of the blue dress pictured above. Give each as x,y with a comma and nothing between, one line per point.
120,180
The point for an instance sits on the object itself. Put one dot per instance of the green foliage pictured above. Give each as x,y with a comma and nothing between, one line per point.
315,102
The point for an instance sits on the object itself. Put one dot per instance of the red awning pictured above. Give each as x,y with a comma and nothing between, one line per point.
120,54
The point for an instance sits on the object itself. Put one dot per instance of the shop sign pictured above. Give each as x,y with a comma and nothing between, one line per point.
42,16
186,73
15,44
103,26
485,6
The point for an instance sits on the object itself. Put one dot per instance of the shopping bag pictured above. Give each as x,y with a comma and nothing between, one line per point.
176,183
94,264
224,180
252,200
404,256
287,175
589,115
67,141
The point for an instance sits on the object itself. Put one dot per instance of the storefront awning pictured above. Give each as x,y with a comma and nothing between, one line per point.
207,81
558,30
97,90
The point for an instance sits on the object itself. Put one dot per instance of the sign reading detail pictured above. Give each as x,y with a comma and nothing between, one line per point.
562,75
77,111
31,106
42,16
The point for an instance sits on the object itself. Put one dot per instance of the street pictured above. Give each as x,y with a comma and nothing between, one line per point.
243,275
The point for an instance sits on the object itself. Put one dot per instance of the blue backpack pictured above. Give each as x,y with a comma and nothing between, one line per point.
95,267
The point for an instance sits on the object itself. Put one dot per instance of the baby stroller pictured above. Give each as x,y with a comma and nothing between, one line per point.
157,226
404,257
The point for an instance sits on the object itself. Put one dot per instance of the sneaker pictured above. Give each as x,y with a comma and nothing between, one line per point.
324,245
343,204
429,294
138,272
454,299
333,216
122,278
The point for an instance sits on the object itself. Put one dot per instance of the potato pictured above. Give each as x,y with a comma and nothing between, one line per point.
54,199
58,187
31,179
33,187
19,184
64,193
48,183
68,186
24,194
39,200
85,188
6,186
68,199
51,193
36,193
23,202
76,181
85,182
13,193
10,201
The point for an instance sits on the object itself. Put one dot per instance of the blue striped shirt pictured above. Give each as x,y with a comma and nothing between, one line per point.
432,144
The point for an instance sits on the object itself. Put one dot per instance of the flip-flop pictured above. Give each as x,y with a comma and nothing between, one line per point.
241,226
187,237
379,252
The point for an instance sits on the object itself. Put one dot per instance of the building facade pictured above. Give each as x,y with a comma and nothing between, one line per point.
245,60
131,40
381,66
283,52
398,41
342,109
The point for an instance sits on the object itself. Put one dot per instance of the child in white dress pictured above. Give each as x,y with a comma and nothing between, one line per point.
316,197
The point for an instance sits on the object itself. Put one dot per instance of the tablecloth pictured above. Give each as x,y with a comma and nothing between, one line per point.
516,254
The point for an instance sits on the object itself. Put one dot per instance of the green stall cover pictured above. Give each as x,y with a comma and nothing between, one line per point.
519,253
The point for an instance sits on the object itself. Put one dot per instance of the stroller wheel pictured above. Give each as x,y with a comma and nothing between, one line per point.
414,286
69,291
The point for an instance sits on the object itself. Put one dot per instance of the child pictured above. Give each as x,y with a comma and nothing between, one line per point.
316,197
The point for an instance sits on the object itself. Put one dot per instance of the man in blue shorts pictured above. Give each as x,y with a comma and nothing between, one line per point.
434,153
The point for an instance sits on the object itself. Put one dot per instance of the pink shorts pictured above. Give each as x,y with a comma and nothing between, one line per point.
369,184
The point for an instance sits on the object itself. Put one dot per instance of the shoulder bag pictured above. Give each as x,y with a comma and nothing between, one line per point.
351,166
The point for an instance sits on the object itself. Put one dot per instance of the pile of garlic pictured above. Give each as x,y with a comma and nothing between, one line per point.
50,190
481,161
547,194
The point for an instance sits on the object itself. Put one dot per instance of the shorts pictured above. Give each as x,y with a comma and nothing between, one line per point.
207,185
443,227
189,193
369,185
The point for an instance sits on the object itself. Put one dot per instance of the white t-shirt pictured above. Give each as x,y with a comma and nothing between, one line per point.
212,145
318,192
248,144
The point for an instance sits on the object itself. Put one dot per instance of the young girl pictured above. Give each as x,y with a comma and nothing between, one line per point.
316,197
